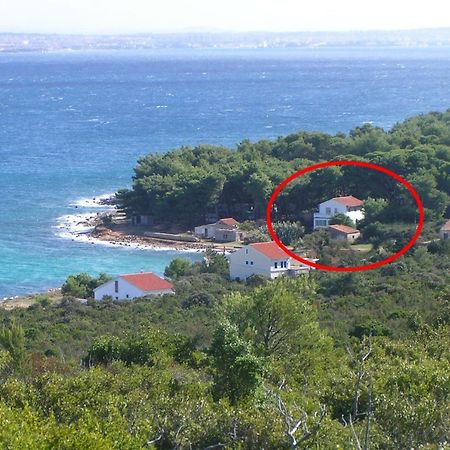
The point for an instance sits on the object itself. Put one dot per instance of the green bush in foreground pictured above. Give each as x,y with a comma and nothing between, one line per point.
270,379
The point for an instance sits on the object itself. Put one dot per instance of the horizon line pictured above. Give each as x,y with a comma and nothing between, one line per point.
218,32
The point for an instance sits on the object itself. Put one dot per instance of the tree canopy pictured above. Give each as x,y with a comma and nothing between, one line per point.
183,185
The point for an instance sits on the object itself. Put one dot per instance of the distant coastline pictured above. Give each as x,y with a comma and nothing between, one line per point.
33,42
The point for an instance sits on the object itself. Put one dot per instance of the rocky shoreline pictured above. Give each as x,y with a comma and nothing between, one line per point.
129,237
24,301
108,226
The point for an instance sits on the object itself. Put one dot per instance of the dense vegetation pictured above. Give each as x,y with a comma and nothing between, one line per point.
183,185
328,360
322,361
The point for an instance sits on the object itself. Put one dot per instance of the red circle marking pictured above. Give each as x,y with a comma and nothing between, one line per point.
391,258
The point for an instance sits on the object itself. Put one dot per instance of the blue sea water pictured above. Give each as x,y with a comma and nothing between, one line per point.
72,126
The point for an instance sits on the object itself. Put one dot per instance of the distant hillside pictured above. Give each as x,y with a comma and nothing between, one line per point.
11,42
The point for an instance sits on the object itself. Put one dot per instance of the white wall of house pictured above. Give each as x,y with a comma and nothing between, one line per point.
326,211
247,262
329,209
205,231
355,216
226,235
350,237
126,290
219,232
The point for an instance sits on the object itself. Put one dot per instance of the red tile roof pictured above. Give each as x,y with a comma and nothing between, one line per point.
229,221
349,200
270,249
343,229
147,281
446,226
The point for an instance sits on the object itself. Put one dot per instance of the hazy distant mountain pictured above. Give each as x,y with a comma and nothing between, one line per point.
406,38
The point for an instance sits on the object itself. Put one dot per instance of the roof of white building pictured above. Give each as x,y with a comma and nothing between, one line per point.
344,229
228,221
349,200
147,281
446,226
270,249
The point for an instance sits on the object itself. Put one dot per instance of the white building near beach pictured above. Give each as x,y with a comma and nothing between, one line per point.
224,230
263,258
135,285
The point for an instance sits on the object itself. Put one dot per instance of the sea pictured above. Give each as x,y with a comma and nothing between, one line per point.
73,124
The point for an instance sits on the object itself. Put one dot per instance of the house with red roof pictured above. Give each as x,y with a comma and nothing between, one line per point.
343,232
134,285
444,232
348,205
224,230
263,258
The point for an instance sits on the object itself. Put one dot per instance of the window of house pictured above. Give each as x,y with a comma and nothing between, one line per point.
246,251
276,265
251,263
327,211
116,286
117,298
246,262
127,296
321,223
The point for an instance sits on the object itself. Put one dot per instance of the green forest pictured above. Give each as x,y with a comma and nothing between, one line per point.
183,185
321,361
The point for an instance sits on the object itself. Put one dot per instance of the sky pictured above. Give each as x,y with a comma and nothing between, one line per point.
141,16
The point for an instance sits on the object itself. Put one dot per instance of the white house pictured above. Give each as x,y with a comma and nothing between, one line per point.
263,258
444,232
347,205
127,287
224,230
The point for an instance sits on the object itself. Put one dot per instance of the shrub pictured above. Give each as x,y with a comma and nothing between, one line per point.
289,232
177,268
370,327
197,299
439,247
214,262
83,285
342,219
